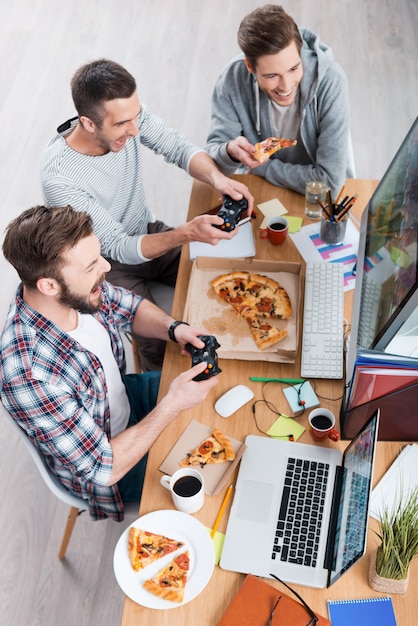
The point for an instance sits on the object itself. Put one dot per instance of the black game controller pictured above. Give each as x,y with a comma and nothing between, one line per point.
208,354
232,211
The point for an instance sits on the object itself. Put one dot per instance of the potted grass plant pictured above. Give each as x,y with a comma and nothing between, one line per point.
398,534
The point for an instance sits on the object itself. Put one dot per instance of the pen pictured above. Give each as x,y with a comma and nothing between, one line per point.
290,381
221,510
345,210
323,208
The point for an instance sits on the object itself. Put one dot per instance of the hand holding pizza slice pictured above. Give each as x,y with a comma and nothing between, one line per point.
266,148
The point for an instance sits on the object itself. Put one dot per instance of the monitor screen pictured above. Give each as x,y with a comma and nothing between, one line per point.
386,293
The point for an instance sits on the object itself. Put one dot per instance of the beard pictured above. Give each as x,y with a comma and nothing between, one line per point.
77,302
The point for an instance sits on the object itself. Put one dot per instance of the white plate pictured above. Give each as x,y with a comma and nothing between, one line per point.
175,525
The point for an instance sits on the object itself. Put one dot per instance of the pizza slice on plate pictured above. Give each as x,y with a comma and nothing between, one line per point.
216,448
266,148
170,582
145,547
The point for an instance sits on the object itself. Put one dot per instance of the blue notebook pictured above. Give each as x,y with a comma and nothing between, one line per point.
362,612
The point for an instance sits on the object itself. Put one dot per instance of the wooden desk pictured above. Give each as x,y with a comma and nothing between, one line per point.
209,606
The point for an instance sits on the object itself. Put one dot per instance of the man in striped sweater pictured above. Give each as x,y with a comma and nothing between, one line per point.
94,164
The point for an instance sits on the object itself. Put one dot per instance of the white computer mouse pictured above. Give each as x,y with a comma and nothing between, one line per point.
233,400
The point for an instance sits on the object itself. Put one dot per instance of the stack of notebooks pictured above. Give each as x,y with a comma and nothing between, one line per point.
255,599
388,382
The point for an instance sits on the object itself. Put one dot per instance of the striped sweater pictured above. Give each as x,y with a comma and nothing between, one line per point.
110,187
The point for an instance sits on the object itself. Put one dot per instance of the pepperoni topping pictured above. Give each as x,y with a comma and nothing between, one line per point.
205,447
182,561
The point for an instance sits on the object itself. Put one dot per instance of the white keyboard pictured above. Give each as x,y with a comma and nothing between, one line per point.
323,320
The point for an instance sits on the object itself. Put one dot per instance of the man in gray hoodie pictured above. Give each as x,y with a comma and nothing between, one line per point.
285,84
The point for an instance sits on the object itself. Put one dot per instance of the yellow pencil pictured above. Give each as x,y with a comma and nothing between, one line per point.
221,510
340,194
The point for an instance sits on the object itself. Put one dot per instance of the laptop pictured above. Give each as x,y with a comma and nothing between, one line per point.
300,511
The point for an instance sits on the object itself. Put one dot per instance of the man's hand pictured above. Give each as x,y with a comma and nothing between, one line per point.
204,168
240,149
190,334
201,228
230,187
185,393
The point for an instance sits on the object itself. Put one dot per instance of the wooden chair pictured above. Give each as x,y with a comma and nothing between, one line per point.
77,505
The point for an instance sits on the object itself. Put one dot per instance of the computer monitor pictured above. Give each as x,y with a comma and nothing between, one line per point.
386,291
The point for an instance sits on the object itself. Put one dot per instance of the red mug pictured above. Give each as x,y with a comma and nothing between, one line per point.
276,230
321,423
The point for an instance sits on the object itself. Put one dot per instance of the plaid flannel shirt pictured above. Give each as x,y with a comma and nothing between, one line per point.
56,390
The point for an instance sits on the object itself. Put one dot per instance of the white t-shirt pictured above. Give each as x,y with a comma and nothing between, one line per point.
94,337
285,121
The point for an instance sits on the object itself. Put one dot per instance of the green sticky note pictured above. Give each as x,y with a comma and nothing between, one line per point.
218,542
295,223
285,426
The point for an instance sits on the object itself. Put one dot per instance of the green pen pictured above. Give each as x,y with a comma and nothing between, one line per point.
289,381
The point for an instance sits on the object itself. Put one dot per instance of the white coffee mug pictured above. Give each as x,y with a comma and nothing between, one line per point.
187,489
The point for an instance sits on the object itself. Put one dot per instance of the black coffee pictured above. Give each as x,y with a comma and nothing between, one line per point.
187,486
277,226
321,422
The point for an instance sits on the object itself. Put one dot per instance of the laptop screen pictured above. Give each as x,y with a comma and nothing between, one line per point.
353,507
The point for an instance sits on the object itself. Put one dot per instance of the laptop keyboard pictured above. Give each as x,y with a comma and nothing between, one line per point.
301,510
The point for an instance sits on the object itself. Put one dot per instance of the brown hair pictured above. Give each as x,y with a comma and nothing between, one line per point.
96,83
267,30
37,239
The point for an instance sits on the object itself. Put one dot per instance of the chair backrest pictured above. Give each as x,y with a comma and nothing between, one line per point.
50,480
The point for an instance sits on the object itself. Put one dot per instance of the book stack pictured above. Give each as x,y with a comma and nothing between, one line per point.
385,381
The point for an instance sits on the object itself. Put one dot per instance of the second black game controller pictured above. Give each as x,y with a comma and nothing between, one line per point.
208,354
232,211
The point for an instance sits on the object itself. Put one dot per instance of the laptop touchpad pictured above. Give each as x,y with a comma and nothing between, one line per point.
255,501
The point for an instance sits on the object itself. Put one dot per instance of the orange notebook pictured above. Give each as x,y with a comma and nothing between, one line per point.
254,601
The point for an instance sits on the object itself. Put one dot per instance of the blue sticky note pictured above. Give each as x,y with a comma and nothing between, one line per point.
306,393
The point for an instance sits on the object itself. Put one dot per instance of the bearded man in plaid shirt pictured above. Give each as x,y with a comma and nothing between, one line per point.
62,363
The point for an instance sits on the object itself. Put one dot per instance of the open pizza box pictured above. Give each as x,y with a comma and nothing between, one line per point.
204,308
215,476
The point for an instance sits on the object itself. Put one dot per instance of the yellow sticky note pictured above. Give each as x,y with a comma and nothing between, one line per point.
218,542
271,208
295,223
285,426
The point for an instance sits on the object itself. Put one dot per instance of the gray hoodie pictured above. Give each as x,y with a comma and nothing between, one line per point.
323,151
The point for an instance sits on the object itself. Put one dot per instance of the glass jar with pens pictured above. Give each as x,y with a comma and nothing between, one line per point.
334,218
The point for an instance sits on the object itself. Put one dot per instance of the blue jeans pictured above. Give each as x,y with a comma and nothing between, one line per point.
142,391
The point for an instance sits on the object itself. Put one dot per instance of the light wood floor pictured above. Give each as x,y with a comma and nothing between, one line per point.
175,49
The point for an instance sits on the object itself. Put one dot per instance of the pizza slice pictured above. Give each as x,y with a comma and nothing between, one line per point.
266,148
231,287
145,547
216,448
255,296
264,334
271,300
170,582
